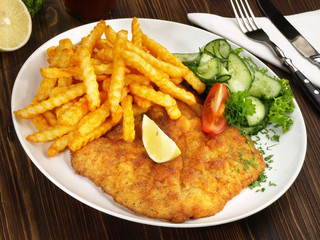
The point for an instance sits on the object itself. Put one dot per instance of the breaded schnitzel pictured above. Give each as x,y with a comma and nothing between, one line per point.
210,171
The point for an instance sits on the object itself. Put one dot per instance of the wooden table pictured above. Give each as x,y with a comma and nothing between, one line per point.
32,207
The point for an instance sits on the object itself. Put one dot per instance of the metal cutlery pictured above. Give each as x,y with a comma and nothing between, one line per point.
293,36
250,28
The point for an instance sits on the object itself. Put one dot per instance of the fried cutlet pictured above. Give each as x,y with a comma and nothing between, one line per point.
210,171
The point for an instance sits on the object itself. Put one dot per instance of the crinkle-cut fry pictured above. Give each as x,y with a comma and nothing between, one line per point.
46,85
89,77
90,40
137,62
196,84
137,110
64,107
136,33
61,58
107,42
176,80
102,43
139,78
106,87
116,116
118,73
51,51
65,43
141,102
160,51
60,144
124,93
159,78
52,72
173,112
170,69
64,82
167,56
105,54
103,68
40,122
49,104
106,69
79,141
50,133
95,118
110,34
157,97
51,117
72,114
58,90
128,119
179,93
73,71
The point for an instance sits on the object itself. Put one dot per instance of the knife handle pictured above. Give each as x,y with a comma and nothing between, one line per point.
311,91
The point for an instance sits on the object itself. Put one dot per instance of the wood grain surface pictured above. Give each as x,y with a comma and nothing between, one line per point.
32,207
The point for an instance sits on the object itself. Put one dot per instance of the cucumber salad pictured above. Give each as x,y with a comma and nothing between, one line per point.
244,95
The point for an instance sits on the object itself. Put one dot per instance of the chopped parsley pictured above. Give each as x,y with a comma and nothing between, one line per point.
33,6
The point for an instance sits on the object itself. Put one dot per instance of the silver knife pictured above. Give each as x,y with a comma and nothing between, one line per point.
294,37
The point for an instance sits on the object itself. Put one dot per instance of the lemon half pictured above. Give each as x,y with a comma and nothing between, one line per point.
158,145
15,25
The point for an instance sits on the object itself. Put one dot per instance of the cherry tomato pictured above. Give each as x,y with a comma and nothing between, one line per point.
212,116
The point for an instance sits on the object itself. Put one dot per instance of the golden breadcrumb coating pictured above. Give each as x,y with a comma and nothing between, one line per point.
210,171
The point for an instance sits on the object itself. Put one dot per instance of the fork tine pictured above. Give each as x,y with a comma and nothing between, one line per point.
241,20
244,19
242,27
247,22
252,18
248,18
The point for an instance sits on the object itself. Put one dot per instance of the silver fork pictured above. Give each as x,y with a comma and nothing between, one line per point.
250,28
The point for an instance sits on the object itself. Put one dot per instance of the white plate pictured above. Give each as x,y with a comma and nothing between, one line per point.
288,157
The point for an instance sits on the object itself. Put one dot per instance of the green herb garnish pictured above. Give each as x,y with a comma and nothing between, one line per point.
33,6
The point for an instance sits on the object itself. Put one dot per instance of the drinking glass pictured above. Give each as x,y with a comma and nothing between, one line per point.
89,10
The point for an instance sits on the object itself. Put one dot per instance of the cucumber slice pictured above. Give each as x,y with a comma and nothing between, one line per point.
216,48
250,67
209,48
224,74
260,113
240,75
265,87
224,48
251,63
189,59
209,67
219,48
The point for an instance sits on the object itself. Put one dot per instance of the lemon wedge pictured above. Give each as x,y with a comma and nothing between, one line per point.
15,25
158,145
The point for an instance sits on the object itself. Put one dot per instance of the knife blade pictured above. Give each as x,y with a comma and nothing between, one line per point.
289,31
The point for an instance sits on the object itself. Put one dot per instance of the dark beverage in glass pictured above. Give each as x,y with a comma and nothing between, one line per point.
89,10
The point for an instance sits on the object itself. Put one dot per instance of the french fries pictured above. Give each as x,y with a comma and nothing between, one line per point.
89,88
118,73
128,119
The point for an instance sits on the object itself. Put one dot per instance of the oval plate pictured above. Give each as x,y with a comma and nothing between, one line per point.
288,157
